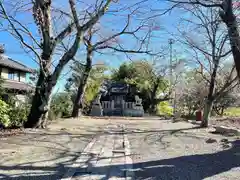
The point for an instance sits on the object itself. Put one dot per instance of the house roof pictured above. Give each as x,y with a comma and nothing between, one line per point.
17,85
10,63
119,85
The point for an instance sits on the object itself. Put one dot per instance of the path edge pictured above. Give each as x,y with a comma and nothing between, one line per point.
80,161
128,160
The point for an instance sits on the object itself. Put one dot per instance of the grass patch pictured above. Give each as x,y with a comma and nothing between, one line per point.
233,111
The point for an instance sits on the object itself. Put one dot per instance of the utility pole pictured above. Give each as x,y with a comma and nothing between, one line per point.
171,41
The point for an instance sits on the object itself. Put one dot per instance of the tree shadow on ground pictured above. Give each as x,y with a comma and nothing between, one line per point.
196,167
65,153
142,131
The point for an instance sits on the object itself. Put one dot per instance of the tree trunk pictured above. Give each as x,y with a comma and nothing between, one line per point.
152,109
235,44
78,103
45,116
217,110
209,102
222,111
206,113
229,19
153,102
40,102
190,112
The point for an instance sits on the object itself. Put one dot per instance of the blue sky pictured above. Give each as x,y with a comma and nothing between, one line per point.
167,24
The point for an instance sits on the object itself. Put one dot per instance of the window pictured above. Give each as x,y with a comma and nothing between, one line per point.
12,75
17,76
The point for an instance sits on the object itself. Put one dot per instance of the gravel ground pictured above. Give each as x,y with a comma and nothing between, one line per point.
10,132
227,121
161,150
44,154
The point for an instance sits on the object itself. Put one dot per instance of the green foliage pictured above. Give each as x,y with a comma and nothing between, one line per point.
91,91
224,102
19,114
139,73
61,105
92,88
124,73
13,113
96,73
4,114
164,109
233,111
51,115
1,88
96,76
147,79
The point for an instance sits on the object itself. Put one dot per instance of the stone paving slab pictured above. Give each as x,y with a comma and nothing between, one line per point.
80,162
108,158
118,161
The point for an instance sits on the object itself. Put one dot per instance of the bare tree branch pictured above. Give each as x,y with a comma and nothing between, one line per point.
123,50
26,31
80,30
197,2
64,33
17,33
42,16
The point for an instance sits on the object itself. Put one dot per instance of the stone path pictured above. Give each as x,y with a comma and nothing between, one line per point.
105,157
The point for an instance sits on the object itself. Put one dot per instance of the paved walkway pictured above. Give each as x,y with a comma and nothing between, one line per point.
105,157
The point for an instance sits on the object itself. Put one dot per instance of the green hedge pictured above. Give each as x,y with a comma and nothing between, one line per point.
12,115
4,114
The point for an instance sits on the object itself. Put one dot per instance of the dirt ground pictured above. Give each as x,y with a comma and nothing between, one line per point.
47,153
33,150
227,121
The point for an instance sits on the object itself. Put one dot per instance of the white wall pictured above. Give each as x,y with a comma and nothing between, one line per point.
23,77
4,73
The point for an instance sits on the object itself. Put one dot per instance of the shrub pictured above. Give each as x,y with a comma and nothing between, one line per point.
4,114
19,114
61,106
51,115
164,109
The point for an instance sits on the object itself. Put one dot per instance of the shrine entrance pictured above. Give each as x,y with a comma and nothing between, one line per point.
119,100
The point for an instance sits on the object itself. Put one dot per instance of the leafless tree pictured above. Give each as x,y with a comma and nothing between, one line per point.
46,45
226,9
210,44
